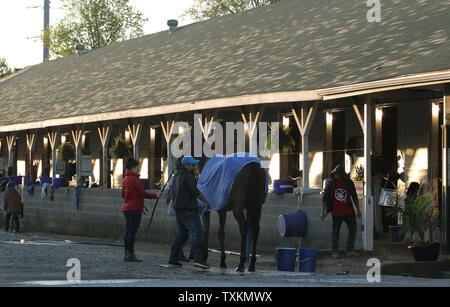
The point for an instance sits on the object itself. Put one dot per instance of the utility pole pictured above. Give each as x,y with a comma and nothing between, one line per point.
46,25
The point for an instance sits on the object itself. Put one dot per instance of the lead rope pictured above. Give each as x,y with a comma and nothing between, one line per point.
156,203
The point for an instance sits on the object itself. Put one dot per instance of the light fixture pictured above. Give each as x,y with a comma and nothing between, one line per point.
63,139
180,130
329,118
127,134
152,133
435,108
45,141
286,121
379,114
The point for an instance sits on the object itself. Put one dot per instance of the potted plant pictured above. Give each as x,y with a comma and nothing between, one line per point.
121,149
418,215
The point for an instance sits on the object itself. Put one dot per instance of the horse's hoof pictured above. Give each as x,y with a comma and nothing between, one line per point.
240,269
223,266
251,269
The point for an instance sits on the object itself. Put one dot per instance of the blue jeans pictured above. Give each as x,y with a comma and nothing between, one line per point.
188,222
132,222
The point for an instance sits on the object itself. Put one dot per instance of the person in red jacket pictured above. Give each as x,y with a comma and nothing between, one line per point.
133,194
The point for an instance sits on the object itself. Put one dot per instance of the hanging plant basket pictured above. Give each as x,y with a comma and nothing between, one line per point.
120,149
66,152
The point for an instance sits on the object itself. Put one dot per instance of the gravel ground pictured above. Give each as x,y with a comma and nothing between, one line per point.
43,257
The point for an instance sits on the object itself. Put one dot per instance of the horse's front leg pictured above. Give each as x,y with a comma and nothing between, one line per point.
221,234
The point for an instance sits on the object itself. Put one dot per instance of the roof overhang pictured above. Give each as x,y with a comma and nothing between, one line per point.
257,99
416,80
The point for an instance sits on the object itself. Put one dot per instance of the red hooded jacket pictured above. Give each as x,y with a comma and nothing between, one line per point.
133,193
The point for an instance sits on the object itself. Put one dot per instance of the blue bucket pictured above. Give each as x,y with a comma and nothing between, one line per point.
283,186
46,180
286,259
293,225
16,179
395,233
59,182
307,259
146,184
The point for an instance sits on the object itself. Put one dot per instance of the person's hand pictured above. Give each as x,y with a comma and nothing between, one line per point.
207,205
358,213
323,216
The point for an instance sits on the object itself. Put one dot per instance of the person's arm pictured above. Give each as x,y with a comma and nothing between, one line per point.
192,186
141,192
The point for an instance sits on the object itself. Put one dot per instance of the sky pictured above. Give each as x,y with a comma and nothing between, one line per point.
22,21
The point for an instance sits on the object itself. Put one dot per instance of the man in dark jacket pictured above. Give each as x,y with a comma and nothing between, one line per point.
184,197
339,198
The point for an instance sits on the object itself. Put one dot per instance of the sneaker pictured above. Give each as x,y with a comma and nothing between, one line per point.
175,264
203,266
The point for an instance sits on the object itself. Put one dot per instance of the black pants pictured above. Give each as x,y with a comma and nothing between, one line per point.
350,220
16,221
133,220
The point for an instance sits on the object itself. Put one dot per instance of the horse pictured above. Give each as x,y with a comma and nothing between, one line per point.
245,201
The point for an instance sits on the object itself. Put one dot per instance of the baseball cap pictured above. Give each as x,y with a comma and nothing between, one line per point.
189,160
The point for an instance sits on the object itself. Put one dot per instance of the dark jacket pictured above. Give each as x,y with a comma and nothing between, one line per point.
184,190
328,194
133,193
12,202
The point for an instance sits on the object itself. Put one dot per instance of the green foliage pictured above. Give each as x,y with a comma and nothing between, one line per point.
286,141
4,68
418,214
93,23
207,9
121,149
66,152
359,173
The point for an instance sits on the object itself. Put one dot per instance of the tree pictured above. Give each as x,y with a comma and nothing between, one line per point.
94,24
4,68
207,9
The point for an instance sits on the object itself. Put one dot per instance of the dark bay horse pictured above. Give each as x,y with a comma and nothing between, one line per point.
246,199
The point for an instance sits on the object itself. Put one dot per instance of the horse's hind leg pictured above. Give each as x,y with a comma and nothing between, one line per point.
221,234
206,223
254,217
240,218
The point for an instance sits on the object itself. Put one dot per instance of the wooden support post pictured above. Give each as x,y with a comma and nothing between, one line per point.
105,136
54,139
31,145
135,135
167,128
445,173
77,137
10,140
304,125
251,124
367,206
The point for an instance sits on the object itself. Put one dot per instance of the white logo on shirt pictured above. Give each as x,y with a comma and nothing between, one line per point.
340,194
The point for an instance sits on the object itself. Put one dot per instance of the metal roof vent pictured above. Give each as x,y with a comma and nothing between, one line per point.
173,25
80,49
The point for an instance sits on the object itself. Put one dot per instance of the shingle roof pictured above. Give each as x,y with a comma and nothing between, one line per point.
289,46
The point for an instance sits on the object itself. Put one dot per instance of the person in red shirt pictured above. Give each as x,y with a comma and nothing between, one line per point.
338,199
133,194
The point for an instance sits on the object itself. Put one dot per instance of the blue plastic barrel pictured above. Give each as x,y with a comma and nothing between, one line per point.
307,259
16,179
145,183
293,225
286,259
395,233
283,186
59,182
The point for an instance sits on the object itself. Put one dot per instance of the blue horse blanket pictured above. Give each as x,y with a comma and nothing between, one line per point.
217,178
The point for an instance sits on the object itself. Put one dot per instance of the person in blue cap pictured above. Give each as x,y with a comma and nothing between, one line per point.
184,197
